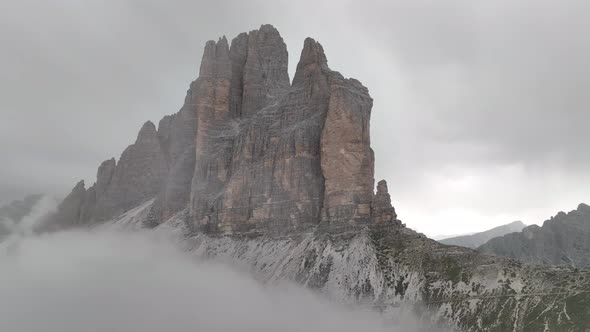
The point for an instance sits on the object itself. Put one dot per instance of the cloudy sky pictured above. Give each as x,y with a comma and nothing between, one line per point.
480,115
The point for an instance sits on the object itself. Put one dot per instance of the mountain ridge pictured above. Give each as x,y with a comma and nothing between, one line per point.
475,240
279,177
561,240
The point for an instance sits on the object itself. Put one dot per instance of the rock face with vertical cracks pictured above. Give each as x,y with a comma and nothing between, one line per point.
275,157
250,151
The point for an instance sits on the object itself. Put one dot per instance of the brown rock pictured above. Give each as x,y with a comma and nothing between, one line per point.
381,208
248,151
347,158
275,159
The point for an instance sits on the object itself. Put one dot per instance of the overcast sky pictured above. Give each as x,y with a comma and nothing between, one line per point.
480,115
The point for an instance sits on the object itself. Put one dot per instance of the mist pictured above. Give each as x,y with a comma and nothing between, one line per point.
25,226
116,280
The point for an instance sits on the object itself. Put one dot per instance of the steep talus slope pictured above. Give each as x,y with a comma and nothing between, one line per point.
475,240
564,239
279,176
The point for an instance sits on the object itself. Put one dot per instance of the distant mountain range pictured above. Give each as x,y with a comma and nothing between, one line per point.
447,236
477,239
562,240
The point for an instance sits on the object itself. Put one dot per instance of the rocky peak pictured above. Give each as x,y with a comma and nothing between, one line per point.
69,210
381,208
135,178
583,208
104,175
265,71
147,134
215,61
312,60
382,188
249,152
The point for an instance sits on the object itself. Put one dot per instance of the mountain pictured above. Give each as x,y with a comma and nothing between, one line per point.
477,239
562,240
278,176
15,211
446,236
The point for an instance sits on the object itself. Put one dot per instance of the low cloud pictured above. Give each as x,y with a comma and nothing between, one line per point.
25,226
106,280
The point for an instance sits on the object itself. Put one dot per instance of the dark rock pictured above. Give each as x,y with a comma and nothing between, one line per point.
381,208
562,240
69,210
136,178
248,151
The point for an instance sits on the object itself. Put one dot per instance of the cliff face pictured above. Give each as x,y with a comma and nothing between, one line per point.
562,240
249,151
277,157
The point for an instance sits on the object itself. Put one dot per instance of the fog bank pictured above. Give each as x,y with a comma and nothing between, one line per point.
105,280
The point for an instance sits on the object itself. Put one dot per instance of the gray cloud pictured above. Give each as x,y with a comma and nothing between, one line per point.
114,281
480,107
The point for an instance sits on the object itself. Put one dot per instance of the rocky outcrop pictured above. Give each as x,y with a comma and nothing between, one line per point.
249,151
346,155
104,175
381,208
70,209
475,240
177,136
137,177
562,240
275,157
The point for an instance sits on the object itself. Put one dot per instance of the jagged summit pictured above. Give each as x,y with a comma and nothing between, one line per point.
562,240
313,59
147,132
248,151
